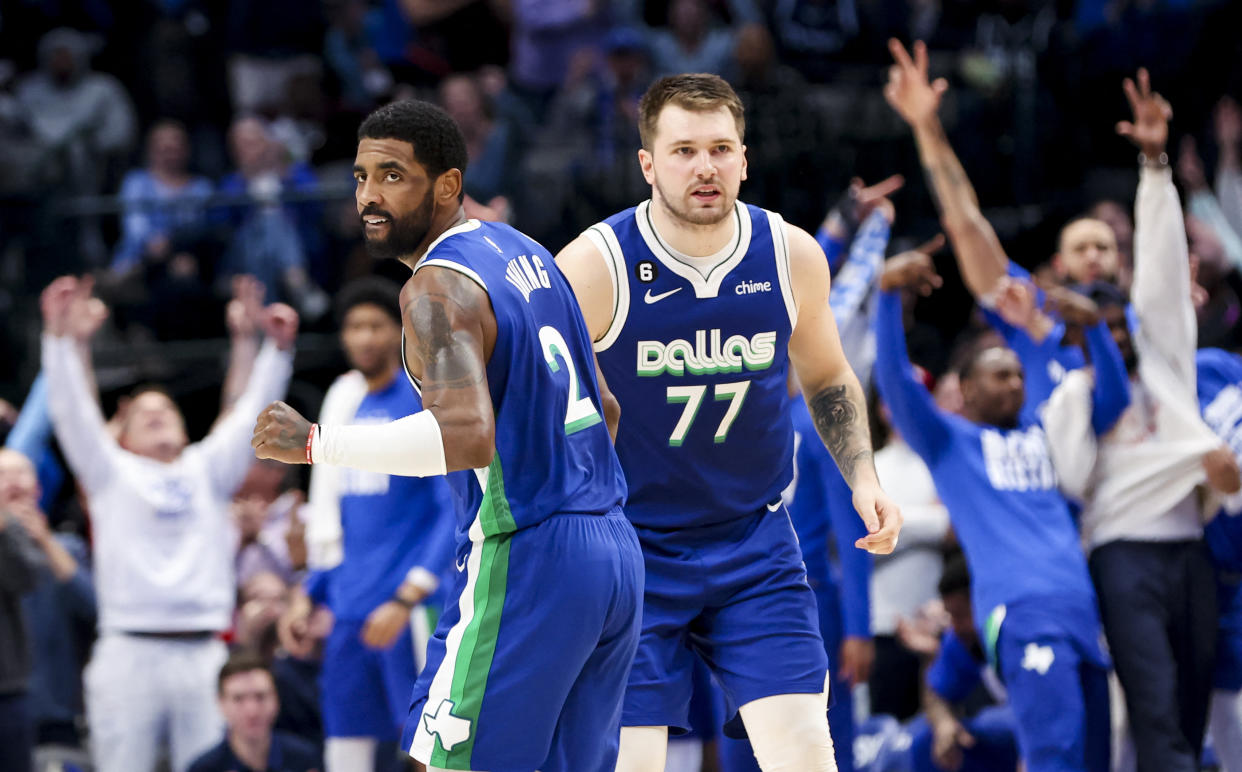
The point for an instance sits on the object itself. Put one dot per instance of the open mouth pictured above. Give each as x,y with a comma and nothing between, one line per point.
706,195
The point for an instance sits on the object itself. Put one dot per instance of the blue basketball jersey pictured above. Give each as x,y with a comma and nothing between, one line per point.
697,355
553,453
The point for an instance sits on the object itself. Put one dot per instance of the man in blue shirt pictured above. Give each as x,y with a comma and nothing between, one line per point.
1220,399
396,540
1032,594
247,694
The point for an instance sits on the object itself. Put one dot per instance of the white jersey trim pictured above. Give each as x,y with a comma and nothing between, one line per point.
704,286
780,245
466,227
436,262
605,240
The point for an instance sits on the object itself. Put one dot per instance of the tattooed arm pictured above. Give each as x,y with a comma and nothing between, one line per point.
450,332
833,393
980,256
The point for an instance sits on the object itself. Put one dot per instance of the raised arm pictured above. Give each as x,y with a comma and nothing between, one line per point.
1160,293
980,256
915,414
76,419
833,394
243,317
453,329
224,447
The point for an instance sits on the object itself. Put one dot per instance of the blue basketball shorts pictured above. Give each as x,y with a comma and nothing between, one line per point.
366,692
528,665
735,595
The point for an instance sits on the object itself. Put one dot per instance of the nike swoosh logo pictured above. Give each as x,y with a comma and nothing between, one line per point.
461,565
649,298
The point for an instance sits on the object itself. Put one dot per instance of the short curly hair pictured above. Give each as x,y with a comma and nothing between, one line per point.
437,140
376,291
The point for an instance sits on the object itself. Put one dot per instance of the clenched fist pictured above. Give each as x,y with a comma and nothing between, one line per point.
280,433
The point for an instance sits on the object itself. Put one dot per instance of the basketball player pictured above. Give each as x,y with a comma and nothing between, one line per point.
394,537
698,304
527,668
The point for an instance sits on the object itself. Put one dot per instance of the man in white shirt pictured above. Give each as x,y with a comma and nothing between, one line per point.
163,553
1143,483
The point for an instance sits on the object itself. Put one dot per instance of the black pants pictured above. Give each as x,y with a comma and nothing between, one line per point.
895,679
1158,603
16,733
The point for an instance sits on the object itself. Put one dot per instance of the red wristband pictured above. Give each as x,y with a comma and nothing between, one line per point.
310,436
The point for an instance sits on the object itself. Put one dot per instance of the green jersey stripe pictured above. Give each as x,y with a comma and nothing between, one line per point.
494,514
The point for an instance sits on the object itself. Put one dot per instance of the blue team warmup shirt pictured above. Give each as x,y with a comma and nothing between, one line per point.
1220,400
1000,489
390,524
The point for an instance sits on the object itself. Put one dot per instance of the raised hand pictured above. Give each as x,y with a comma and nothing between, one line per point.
1149,129
245,310
86,312
1072,307
55,302
914,270
280,323
911,94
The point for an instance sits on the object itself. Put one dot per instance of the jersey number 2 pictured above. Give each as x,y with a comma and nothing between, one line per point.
580,412
692,396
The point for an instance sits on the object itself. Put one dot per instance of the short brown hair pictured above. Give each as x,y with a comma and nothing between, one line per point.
242,661
697,91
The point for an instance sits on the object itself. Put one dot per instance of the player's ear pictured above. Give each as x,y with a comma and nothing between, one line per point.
646,162
743,162
448,187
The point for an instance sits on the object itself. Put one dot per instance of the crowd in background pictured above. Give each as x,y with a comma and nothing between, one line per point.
194,158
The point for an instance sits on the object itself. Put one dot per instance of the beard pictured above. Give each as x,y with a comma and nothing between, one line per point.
405,233
680,210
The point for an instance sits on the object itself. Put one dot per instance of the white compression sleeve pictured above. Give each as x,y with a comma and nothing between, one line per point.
410,446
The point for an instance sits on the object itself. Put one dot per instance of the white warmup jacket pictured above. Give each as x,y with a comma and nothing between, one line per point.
162,531
1138,482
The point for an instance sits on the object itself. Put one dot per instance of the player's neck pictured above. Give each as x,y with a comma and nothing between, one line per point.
689,238
252,752
440,223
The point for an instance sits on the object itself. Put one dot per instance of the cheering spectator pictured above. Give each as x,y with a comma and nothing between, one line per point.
992,466
21,562
159,509
1138,483
60,609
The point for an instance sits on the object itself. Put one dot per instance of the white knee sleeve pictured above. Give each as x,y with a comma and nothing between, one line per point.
789,732
643,749
347,754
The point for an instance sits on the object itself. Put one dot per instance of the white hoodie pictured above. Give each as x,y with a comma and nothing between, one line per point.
1138,481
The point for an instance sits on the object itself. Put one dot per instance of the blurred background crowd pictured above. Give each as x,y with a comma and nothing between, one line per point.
194,158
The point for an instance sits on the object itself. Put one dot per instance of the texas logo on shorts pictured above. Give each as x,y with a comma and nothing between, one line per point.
450,729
